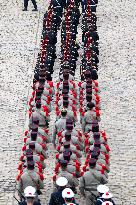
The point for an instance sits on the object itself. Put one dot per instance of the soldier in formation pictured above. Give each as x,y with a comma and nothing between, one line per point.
69,142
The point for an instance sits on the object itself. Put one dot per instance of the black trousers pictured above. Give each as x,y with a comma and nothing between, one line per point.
26,3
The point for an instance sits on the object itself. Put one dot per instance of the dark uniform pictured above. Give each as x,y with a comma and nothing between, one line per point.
25,203
56,198
26,5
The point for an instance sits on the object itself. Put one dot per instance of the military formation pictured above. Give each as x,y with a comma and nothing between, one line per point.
82,155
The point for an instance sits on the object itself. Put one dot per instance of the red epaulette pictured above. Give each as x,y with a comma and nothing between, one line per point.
57,156
41,157
19,166
25,139
24,148
26,132
54,178
84,168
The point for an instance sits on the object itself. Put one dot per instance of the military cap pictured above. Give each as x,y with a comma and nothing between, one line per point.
63,162
97,143
39,92
96,136
96,149
92,162
88,97
90,105
35,120
69,121
94,155
87,74
29,158
107,195
67,193
41,87
65,91
95,128
29,151
89,91
30,192
69,127
32,145
61,181
33,126
65,97
107,203
102,189
65,103
30,164
66,145
42,79
33,136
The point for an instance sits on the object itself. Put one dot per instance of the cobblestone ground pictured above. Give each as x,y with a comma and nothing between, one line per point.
18,46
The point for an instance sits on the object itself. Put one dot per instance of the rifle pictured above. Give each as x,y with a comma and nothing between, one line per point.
16,200
22,196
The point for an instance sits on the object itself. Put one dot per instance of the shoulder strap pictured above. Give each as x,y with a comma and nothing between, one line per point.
37,185
99,199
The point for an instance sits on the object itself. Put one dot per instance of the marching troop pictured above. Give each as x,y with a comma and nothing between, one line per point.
82,160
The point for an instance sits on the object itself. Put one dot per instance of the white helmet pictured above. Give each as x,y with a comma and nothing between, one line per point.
30,191
62,181
67,193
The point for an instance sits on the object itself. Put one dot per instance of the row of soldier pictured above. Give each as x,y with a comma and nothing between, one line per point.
68,158
34,152
68,141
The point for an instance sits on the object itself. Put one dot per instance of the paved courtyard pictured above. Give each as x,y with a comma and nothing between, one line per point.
20,34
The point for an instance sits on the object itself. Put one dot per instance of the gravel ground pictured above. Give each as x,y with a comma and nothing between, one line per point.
18,48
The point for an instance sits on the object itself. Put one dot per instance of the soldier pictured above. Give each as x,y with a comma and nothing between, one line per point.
36,158
56,197
73,140
101,190
90,118
37,148
68,196
73,166
26,5
34,137
68,152
89,182
41,115
60,125
72,181
30,178
30,195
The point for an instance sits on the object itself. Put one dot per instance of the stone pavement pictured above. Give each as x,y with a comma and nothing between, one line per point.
18,48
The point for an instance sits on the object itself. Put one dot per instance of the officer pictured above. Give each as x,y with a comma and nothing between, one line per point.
56,197
101,190
30,178
26,5
30,195
68,196
89,182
